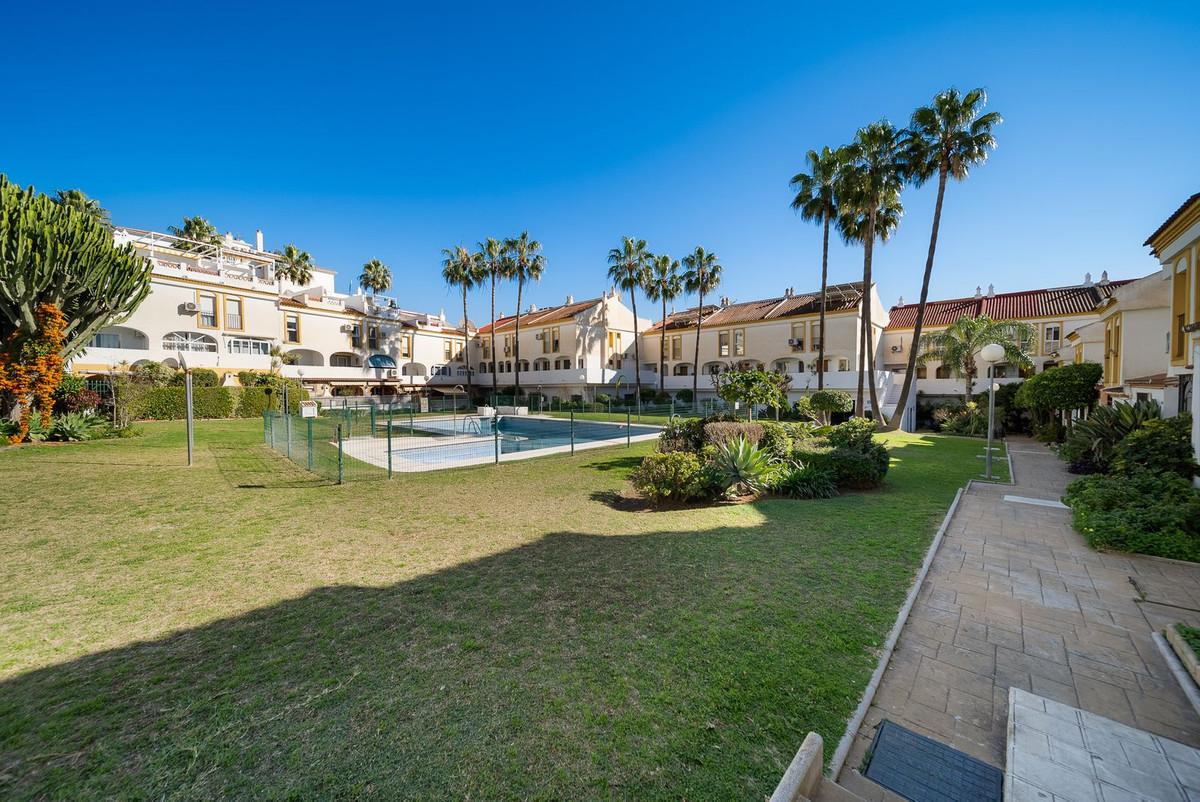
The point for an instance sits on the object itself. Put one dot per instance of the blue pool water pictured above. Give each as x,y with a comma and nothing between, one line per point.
517,434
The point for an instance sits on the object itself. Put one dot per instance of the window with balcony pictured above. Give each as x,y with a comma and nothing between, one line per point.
683,369
541,363
739,342
291,329
188,341
233,314
677,347
922,372
344,361
1051,338
105,341
208,310
797,337
372,338
1179,311
406,346
356,339
248,347
843,365
943,372
508,345
816,336
722,343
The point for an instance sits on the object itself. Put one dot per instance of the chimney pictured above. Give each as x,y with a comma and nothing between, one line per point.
900,301
724,300
1104,278
978,291
570,300
991,291
1087,279
532,308
258,239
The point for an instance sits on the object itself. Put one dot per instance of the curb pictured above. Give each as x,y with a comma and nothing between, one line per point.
852,726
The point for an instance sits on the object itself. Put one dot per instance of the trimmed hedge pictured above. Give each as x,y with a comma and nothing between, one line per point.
720,432
170,403
1142,511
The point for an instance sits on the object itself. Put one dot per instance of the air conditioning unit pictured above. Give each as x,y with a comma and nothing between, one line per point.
508,352
189,308
538,336
793,341
897,349
816,345
391,374
347,329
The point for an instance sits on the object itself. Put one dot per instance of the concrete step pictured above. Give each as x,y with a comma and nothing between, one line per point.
860,787
830,791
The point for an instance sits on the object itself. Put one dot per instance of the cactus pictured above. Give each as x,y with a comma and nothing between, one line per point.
53,254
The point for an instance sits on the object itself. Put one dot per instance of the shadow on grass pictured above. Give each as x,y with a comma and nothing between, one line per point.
257,467
677,664
616,463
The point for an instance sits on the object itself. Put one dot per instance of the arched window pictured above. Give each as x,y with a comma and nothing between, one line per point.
943,372
523,364
1047,365
381,361
345,360
188,341
541,363
712,368
682,369
413,369
799,365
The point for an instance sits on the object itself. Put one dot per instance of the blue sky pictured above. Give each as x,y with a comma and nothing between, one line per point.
396,130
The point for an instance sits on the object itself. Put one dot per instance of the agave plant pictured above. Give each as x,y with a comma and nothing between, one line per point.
73,426
1092,440
744,467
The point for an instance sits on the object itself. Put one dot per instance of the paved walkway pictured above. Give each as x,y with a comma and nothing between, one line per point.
1015,598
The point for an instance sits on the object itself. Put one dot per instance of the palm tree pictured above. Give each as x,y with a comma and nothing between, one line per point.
869,197
946,139
816,201
196,230
958,345
294,264
629,270
664,284
461,268
493,261
375,277
78,200
703,276
526,264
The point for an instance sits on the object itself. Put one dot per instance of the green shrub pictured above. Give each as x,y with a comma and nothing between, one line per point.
969,420
1051,431
252,402
1141,511
1066,387
776,440
603,398
75,426
1091,442
684,396
807,481
169,403
722,432
854,433
153,374
201,377
743,467
858,468
1010,417
682,435
8,428
1159,446
675,476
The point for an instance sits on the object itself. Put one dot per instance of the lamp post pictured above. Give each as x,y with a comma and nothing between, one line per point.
187,394
991,354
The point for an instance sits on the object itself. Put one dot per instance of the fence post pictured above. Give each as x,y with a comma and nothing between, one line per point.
628,430
496,435
310,443
287,429
410,422
341,462
373,420
572,430
266,428
389,441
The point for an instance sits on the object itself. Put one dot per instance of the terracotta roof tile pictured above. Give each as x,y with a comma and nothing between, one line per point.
1048,302
1183,207
541,317
839,297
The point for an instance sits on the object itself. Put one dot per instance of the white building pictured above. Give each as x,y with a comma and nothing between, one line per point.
225,308
577,349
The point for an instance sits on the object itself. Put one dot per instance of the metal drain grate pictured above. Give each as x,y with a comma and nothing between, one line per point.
923,770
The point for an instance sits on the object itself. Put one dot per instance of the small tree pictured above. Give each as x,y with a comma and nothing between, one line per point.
958,345
752,387
1060,390
821,405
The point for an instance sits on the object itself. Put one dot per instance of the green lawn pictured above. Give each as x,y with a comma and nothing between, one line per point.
240,628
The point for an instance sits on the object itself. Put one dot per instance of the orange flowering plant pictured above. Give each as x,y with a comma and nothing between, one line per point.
31,368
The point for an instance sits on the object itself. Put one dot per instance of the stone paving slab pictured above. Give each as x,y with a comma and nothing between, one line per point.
1016,599
1059,752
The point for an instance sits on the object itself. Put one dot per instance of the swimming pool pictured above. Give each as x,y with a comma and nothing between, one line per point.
433,443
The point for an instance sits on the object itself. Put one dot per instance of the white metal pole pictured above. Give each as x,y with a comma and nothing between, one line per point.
187,384
991,415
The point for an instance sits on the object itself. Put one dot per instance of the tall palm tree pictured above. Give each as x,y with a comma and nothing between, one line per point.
294,265
78,200
463,269
816,201
869,196
375,277
703,276
629,269
958,346
196,230
664,284
945,138
526,263
494,262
